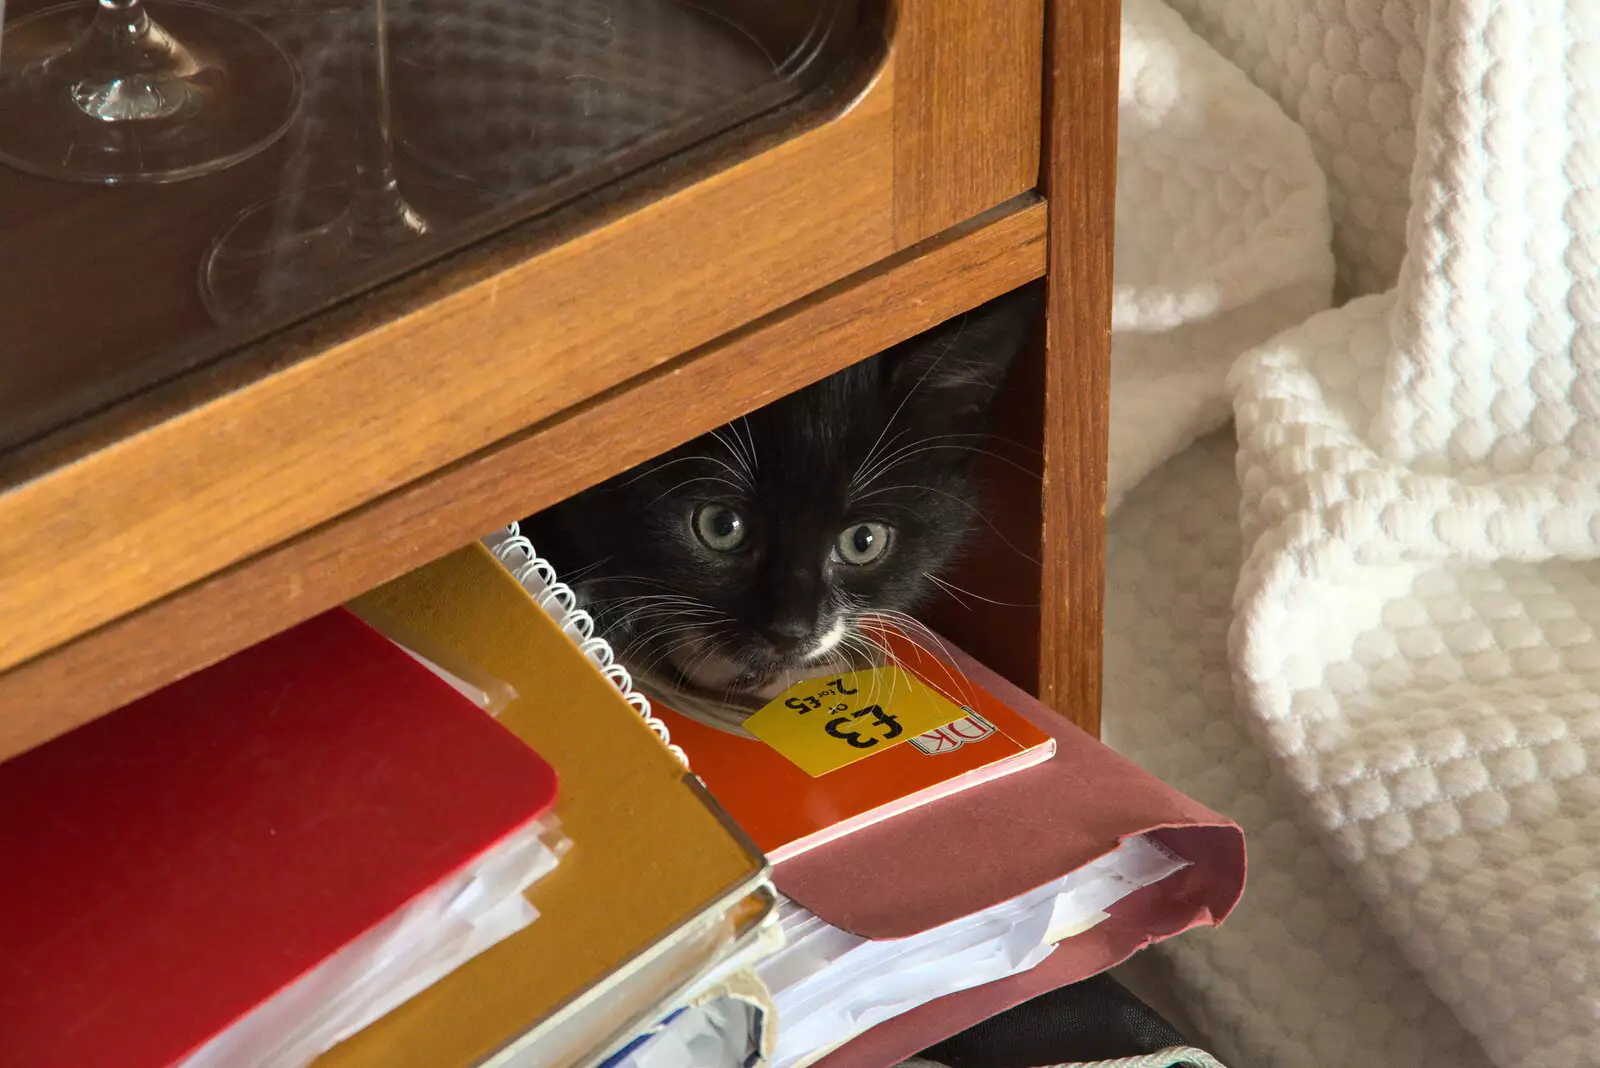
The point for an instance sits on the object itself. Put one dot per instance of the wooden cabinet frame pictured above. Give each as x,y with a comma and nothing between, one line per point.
184,526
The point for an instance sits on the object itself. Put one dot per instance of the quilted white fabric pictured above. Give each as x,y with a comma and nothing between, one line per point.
1222,237
1349,71
1301,975
1413,639
1413,643
1415,623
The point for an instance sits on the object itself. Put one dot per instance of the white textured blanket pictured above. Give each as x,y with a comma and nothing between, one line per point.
1413,643
1222,237
1414,633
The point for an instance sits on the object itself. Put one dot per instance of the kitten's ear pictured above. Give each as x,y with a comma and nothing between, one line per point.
954,370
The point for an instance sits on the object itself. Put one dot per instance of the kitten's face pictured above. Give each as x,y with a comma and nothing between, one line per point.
753,551
744,560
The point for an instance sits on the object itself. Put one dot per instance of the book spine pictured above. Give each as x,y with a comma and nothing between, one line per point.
536,575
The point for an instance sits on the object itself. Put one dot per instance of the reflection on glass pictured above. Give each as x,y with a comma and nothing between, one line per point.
529,89
502,111
298,248
139,91
545,96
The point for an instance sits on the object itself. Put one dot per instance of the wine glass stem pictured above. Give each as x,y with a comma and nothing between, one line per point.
127,68
379,210
122,20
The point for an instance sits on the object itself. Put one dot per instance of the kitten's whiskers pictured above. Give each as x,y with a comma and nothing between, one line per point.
968,505
736,448
937,442
904,625
932,366
958,591
750,439
737,488
652,468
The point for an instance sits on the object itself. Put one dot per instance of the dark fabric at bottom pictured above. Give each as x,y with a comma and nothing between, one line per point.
1097,1019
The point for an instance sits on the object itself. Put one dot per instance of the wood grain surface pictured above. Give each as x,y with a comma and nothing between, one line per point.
967,125
132,253
1080,179
276,586
385,405
1028,599
227,462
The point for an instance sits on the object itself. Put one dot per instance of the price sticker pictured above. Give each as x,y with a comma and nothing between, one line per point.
823,724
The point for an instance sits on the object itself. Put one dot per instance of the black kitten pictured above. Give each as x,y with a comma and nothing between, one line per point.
743,560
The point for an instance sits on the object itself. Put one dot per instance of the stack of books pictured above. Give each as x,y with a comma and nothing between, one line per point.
661,892
936,831
442,829
944,847
248,865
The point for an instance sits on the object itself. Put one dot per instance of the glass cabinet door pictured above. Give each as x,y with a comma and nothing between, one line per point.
177,178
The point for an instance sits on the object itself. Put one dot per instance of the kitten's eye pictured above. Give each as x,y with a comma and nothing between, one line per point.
862,543
719,526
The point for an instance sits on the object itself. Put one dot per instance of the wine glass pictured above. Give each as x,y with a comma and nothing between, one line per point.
139,91
533,100
305,245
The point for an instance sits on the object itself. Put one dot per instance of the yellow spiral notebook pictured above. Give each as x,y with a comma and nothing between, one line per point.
658,888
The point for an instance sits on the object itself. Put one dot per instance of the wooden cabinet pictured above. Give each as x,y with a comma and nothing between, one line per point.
970,149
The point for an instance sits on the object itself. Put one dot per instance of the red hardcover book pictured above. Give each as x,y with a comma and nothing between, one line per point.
167,868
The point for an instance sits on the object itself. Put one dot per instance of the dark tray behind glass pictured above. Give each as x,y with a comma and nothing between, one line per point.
501,110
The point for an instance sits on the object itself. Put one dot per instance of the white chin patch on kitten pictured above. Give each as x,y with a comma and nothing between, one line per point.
711,670
828,642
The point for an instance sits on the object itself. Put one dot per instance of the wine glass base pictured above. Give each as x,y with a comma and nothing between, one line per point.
285,255
207,92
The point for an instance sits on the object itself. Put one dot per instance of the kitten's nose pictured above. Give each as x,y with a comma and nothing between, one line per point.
785,635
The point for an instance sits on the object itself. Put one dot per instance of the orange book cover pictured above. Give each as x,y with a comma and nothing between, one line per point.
788,810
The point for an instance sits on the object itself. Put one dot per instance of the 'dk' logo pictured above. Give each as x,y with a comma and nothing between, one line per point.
947,739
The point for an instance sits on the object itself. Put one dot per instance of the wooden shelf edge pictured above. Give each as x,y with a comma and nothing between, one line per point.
449,507
1031,607
385,389
1083,42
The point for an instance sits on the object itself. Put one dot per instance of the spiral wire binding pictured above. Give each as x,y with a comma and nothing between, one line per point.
536,575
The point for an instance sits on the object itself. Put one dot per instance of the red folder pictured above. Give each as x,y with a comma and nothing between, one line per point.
167,868
968,852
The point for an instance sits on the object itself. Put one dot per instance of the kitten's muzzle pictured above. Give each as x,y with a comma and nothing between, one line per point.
785,636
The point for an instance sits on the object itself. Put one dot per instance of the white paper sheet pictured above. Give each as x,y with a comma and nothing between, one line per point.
430,938
830,986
